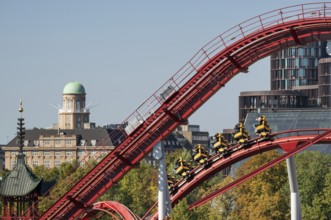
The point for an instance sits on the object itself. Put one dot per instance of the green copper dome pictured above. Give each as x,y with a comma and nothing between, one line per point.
74,88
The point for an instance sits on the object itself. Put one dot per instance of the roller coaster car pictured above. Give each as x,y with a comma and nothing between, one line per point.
200,155
182,168
241,134
262,130
220,145
171,184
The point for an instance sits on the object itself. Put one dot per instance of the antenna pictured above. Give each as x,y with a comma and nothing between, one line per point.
57,106
90,106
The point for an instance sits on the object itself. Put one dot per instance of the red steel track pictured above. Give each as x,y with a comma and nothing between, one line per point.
186,91
110,207
300,140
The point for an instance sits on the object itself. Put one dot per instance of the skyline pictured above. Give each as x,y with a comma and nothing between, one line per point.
121,53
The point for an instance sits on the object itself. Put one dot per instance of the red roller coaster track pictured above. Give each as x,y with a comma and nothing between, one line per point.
300,140
198,80
110,207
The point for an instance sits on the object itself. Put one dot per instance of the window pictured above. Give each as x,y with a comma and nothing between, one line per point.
57,153
34,163
68,153
47,163
68,121
35,153
69,105
12,163
77,105
47,153
26,142
46,143
57,163
78,124
82,142
93,142
82,163
57,142
68,143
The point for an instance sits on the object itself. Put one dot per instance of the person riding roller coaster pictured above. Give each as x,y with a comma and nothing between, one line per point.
240,134
182,168
171,183
199,154
262,129
220,145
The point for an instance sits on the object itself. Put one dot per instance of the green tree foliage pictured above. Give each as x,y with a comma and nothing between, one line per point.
173,156
47,174
262,197
321,208
313,170
68,175
180,212
137,189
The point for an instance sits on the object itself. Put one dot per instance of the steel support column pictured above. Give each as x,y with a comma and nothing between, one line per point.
164,204
295,198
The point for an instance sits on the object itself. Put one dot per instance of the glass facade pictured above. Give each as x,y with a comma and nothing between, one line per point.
296,68
292,120
324,82
270,100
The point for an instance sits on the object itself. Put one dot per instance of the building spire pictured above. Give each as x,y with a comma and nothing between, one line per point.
20,129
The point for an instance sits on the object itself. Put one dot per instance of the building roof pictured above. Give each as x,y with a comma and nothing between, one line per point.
74,88
20,181
282,120
102,136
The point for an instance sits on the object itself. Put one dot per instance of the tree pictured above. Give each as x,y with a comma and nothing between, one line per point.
137,189
321,208
47,174
314,179
261,197
180,212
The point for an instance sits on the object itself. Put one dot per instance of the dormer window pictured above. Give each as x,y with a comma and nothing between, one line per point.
82,142
26,142
93,142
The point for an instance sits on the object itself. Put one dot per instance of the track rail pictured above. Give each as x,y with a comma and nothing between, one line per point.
198,80
292,145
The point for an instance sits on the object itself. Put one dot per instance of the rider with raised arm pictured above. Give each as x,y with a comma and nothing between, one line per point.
262,129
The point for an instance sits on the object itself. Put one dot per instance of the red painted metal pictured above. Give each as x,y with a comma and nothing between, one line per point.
186,91
301,139
301,147
109,207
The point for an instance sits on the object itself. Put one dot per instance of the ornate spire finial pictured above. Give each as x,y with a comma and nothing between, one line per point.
20,129
21,106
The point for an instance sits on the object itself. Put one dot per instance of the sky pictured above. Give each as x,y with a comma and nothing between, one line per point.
121,51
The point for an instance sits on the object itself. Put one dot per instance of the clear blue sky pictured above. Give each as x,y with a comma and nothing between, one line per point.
121,51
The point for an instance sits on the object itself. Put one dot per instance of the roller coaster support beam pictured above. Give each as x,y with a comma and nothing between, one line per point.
295,198
164,204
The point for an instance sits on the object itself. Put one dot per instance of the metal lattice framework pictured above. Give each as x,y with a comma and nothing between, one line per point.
198,80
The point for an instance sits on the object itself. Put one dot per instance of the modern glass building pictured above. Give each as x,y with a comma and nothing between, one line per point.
270,100
324,82
296,68
282,120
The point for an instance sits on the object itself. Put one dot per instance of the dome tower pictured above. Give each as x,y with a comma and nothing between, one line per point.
73,113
